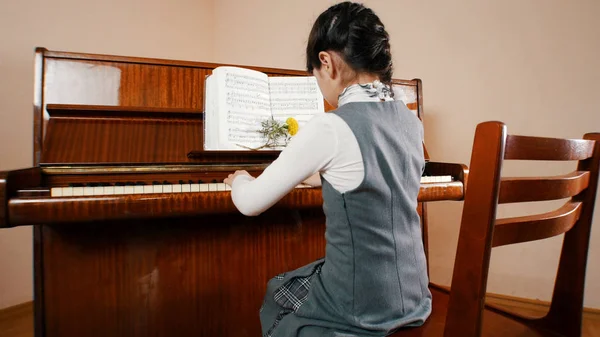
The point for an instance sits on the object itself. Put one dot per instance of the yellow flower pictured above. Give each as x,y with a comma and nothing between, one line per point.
292,126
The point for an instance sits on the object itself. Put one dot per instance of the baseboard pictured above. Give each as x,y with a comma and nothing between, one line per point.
527,305
18,310
536,306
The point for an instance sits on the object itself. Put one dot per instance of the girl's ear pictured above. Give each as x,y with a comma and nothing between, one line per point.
327,63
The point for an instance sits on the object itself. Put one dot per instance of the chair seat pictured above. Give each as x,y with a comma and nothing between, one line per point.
494,324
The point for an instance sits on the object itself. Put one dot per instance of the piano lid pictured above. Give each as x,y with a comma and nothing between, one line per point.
117,110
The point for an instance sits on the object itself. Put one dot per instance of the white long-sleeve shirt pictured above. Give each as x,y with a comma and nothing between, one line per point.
325,144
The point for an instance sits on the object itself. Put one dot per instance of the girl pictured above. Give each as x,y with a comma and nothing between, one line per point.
367,156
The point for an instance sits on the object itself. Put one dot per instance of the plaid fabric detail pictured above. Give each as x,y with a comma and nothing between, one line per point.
291,296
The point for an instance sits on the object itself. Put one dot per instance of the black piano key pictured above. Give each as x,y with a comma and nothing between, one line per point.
181,182
156,183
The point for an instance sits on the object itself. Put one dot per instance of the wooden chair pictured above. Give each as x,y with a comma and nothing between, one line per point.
462,311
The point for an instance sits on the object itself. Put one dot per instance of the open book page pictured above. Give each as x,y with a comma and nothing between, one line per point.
297,97
242,102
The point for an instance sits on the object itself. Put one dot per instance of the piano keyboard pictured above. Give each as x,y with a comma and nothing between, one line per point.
166,187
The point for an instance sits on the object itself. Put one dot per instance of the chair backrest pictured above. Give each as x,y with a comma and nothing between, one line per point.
480,230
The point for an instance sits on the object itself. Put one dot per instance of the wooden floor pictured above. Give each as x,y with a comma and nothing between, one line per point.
591,318
18,321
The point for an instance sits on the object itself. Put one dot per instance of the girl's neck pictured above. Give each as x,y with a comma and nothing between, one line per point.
361,78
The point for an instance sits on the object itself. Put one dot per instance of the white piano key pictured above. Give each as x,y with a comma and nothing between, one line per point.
88,190
156,188
56,192
186,188
195,187
138,189
203,188
221,186
227,187
98,190
167,188
67,191
436,179
109,190
177,188
212,187
121,189
78,191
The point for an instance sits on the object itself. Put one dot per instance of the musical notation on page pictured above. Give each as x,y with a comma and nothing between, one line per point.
305,105
242,82
247,100
298,97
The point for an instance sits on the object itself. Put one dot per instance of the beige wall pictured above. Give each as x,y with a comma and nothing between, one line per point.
534,65
178,29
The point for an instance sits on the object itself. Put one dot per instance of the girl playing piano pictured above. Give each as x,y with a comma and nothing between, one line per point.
367,156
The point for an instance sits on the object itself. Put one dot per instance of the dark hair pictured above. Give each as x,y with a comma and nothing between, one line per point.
357,34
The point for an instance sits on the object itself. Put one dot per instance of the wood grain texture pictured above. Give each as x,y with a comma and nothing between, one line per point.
469,279
567,299
88,136
544,148
536,227
542,188
10,182
191,277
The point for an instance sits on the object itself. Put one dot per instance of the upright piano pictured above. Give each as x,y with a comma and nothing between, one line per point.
134,232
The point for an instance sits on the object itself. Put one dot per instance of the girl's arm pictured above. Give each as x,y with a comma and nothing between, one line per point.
307,153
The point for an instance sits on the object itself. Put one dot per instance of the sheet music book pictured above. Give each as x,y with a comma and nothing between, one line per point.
237,100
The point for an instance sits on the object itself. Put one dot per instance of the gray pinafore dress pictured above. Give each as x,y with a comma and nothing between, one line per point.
373,278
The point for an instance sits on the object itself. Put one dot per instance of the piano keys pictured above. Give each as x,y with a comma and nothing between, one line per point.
158,187
72,200
134,232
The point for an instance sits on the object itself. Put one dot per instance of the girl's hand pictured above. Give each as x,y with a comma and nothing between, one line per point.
231,177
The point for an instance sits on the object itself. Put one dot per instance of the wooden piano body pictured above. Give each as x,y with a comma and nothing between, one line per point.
139,238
